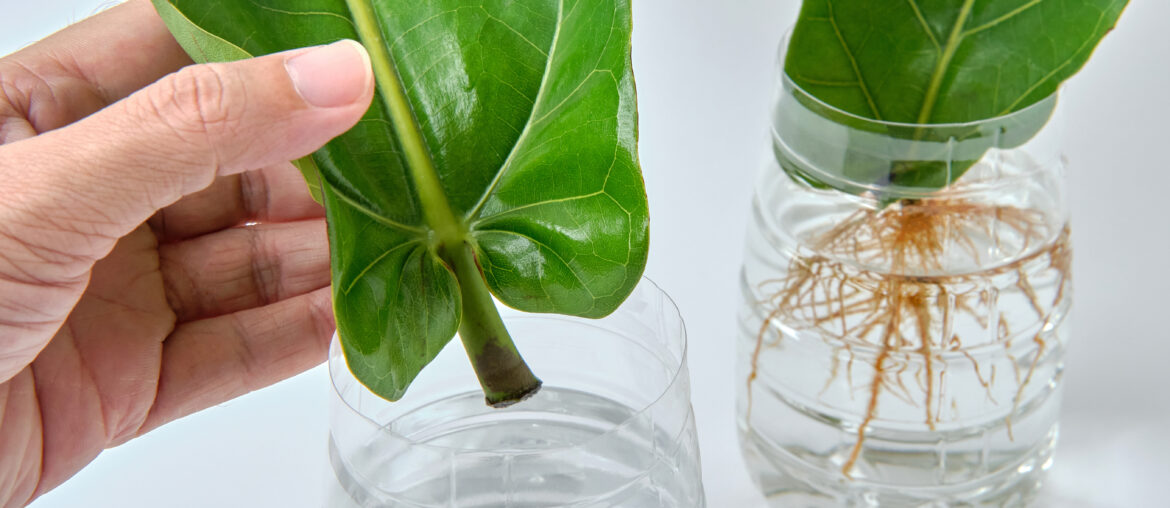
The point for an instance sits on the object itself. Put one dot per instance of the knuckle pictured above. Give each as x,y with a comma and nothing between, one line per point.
265,268
18,87
178,282
321,312
200,100
254,194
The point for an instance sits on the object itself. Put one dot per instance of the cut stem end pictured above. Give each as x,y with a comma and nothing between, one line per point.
502,372
503,400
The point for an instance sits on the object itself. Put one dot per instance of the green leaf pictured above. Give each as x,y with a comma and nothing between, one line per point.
501,154
308,168
943,62
202,45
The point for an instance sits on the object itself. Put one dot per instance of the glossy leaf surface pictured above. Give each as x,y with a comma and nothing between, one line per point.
526,113
943,62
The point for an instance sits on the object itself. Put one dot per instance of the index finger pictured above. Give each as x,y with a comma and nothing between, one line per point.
91,64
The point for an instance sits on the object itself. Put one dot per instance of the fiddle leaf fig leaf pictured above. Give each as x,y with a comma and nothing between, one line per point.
930,62
203,46
500,155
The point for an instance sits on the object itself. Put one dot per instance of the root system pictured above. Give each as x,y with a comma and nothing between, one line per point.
901,311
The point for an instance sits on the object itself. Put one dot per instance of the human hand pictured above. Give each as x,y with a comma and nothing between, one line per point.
131,293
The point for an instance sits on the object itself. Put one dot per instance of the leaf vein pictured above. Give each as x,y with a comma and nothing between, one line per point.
853,62
555,254
438,60
379,259
925,26
540,97
1011,14
572,94
539,203
394,43
1088,44
513,30
304,13
377,217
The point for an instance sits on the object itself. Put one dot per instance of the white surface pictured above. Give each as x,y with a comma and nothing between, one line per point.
704,80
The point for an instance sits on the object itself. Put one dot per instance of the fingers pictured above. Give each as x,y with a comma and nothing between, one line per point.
243,268
208,362
21,452
89,65
273,194
96,180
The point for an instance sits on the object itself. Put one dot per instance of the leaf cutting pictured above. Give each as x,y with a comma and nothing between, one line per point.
896,100
921,66
499,160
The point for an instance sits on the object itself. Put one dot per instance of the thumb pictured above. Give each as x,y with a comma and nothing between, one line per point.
108,173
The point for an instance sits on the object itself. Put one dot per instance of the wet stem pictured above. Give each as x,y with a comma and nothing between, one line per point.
818,291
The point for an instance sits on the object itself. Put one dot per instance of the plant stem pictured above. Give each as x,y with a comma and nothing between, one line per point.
505,378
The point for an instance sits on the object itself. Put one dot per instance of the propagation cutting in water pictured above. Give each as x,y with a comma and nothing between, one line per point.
920,75
499,161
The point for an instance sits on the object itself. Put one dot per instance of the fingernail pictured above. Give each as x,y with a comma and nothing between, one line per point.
331,76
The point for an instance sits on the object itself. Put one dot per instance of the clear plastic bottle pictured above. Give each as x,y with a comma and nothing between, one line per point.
903,346
612,425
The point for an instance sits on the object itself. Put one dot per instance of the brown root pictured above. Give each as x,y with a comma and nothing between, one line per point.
898,307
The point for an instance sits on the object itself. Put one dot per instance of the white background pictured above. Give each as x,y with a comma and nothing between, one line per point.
704,71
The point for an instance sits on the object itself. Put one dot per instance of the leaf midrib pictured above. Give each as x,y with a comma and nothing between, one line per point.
433,200
944,62
956,37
